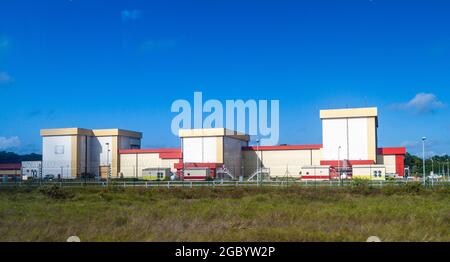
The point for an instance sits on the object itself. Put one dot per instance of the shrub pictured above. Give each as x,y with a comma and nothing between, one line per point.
415,187
55,192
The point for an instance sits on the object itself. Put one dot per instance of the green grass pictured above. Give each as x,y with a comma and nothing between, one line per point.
225,214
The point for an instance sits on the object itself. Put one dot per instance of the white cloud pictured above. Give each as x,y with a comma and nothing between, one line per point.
9,142
129,15
422,103
5,78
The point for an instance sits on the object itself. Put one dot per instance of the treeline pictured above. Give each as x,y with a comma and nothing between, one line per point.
10,157
438,164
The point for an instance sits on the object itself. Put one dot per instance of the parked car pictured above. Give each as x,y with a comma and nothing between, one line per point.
49,177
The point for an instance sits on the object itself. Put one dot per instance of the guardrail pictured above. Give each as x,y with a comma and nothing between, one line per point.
170,184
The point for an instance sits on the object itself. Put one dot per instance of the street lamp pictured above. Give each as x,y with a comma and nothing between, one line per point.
423,158
448,169
338,171
107,161
432,165
257,161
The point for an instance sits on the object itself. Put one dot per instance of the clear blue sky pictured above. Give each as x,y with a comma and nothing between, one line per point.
103,64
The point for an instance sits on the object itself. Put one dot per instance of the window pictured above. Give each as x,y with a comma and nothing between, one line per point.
379,173
375,173
160,175
59,150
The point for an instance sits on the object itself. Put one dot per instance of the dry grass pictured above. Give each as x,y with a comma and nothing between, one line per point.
225,214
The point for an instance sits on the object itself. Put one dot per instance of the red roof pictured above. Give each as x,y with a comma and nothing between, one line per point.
11,166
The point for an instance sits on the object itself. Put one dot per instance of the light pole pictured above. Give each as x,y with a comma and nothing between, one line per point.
423,158
257,161
107,161
339,159
448,169
432,166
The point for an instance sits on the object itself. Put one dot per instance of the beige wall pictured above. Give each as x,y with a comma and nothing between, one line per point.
388,161
366,172
278,161
129,163
372,138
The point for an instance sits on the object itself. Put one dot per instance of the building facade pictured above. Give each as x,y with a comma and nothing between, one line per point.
349,149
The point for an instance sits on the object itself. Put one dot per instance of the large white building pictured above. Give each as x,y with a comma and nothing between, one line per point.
349,149
71,152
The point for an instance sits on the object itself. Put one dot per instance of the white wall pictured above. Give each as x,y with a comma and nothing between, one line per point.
349,133
357,134
334,134
31,168
199,150
98,155
57,156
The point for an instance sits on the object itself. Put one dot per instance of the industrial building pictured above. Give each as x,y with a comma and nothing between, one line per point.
348,150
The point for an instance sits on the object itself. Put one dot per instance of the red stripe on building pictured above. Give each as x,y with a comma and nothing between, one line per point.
171,155
341,163
315,177
391,151
152,150
194,177
287,147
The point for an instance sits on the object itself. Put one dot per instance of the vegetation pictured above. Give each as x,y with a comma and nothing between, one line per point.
408,213
9,157
436,163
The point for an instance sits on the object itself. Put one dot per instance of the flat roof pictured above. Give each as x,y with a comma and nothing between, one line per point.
89,132
207,132
349,112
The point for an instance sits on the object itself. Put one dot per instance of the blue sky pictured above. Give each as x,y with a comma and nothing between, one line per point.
104,64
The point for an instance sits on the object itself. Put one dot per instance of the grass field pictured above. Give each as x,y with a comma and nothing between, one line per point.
408,213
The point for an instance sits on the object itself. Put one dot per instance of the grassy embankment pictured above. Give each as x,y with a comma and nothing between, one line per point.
225,214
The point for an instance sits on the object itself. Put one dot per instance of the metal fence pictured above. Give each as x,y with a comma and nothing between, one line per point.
174,184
